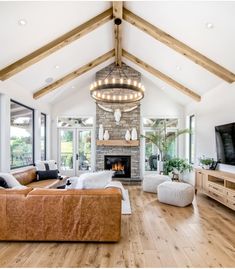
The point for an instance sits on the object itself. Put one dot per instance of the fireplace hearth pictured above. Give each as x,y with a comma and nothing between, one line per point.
121,165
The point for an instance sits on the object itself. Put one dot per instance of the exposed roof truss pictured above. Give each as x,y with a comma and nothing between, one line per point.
117,12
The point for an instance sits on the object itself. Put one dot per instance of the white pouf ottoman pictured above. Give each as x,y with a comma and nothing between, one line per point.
175,193
151,182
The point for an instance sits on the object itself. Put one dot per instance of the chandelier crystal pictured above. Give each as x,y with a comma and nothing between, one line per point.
117,89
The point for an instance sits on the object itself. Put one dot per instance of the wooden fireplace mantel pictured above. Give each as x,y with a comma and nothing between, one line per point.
118,143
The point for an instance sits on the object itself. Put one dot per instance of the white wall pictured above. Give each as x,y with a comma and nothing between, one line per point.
19,94
10,90
216,108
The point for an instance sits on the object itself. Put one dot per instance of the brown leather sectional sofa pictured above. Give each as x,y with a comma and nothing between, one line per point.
28,177
60,214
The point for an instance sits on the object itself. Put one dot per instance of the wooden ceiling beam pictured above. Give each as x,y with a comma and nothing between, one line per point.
178,46
161,76
117,15
56,44
74,74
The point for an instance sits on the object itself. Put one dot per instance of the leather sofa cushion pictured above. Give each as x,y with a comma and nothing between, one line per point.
23,192
60,215
47,184
26,176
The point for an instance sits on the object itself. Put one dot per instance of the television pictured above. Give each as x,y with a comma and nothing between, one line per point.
225,143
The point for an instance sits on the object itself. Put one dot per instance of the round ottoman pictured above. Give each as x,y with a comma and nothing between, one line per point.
151,182
175,193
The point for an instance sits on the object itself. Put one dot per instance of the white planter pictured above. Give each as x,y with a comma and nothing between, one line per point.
101,132
206,166
133,134
106,135
128,135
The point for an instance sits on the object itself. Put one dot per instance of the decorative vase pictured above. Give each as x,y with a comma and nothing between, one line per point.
106,135
101,132
133,134
128,135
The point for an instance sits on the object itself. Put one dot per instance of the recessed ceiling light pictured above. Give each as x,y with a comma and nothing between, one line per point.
22,22
72,87
178,67
48,80
57,66
209,25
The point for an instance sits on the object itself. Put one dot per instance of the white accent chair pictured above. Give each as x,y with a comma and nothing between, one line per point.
151,182
176,193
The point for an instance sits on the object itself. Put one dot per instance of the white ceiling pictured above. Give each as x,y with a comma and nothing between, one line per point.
183,20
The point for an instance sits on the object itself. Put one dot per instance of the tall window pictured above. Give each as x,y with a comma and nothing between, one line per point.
159,127
21,135
192,139
43,136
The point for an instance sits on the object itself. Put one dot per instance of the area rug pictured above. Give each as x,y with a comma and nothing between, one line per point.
126,205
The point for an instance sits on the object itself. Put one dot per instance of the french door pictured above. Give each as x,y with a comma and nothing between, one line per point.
75,150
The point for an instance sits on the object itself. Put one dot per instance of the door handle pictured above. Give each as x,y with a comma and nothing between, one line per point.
77,157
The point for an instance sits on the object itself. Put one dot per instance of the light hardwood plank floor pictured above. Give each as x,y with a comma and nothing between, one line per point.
155,235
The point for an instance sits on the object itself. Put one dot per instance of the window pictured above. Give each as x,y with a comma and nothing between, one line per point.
75,146
21,135
192,139
151,154
43,136
159,127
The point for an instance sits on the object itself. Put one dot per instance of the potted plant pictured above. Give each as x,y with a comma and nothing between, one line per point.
206,162
177,166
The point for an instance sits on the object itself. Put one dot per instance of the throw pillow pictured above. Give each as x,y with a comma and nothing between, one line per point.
96,180
3,183
49,174
10,180
46,165
46,170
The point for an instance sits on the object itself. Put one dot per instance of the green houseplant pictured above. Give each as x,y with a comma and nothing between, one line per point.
205,162
163,139
177,165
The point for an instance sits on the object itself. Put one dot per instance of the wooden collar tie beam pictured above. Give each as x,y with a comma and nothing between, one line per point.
178,46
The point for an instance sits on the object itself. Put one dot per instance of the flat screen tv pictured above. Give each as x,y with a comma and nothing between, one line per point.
225,143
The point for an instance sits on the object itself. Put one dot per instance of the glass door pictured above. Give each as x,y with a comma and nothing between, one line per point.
66,161
84,150
74,155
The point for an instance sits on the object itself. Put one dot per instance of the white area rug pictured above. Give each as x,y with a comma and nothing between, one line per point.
126,205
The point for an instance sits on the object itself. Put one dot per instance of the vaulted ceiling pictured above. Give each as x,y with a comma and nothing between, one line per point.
185,21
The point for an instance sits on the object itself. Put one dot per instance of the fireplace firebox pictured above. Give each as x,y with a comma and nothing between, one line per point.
121,165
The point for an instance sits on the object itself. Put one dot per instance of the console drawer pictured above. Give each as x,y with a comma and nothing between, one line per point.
231,195
231,203
215,195
215,188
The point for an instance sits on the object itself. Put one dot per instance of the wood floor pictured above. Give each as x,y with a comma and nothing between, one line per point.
155,235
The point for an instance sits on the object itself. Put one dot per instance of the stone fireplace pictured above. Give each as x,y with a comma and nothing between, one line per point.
128,121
